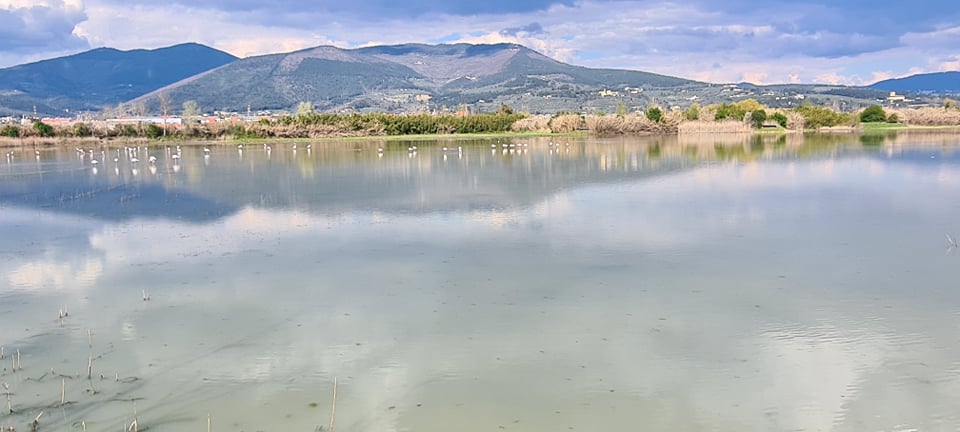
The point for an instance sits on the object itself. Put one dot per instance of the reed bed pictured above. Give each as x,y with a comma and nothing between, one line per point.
929,116
714,127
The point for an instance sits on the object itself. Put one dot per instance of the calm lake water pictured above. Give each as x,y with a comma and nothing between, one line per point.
535,284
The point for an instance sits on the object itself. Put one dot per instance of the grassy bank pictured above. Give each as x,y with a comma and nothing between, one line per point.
743,117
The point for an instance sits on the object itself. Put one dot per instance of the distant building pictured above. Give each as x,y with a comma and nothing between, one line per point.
146,120
895,99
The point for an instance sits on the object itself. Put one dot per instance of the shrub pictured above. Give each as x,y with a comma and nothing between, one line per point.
10,131
816,117
893,118
605,125
43,129
780,118
565,123
692,113
873,114
654,114
539,123
154,131
82,130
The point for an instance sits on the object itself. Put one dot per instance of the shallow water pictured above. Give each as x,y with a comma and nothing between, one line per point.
563,284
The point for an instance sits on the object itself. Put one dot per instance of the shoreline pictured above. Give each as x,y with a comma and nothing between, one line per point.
76,141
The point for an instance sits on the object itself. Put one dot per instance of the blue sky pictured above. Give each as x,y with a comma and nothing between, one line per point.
809,41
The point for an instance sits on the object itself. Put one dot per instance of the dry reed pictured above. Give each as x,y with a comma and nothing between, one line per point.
565,123
333,406
714,127
928,116
537,123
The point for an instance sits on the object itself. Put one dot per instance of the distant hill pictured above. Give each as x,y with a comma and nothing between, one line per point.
103,76
393,78
938,82
401,78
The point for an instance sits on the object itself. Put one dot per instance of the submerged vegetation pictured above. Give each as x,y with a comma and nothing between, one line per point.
743,116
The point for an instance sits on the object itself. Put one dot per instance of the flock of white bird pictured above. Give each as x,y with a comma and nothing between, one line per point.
134,154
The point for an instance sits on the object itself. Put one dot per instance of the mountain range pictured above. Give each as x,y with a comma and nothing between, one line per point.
937,82
395,78
101,77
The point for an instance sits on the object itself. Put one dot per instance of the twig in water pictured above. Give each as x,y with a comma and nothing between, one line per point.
83,424
63,390
951,244
36,422
146,297
6,388
89,339
135,424
19,363
208,422
90,366
1,352
333,407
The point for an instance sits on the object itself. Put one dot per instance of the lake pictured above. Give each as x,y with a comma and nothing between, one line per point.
538,284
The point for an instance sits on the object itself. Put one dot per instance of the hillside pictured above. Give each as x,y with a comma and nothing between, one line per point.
104,76
394,78
402,78
938,82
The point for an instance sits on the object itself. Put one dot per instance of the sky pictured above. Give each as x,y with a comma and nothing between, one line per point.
850,42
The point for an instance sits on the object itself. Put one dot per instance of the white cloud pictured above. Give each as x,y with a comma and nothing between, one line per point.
757,43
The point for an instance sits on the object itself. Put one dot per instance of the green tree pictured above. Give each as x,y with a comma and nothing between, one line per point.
748,105
654,114
505,109
873,114
10,131
693,112
729,111
43,129
815,117
780,118
949,104
893,118
757,118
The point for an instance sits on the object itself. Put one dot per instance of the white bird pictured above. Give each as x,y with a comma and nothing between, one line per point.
134,160
94,161
206,150
153,159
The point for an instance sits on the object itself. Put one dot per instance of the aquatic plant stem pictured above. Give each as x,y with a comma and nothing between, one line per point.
333,406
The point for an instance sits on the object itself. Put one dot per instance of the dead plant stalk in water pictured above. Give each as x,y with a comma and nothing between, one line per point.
333,406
